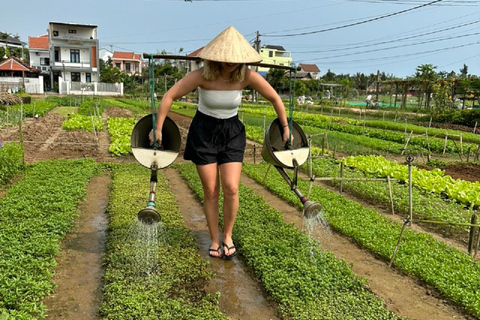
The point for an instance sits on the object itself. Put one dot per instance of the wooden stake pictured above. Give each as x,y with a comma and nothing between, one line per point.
390,193
341,176
472,235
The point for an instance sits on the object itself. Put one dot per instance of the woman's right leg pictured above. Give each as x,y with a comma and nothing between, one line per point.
211,189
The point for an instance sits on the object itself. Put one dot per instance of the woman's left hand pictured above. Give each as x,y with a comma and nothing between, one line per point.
286,135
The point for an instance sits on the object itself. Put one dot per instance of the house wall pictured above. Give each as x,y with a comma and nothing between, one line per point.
274,56
13,84
135,65
37,60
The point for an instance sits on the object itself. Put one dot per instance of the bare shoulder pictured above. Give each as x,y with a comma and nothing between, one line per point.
252,77
196,74
194,78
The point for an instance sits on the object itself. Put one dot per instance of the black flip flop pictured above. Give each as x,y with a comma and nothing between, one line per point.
228,257
219,250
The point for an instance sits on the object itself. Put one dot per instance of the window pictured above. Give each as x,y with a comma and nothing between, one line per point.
55,33
76,76
72,31
270,54
88,77
127,67
57,55
75,55
118,65
44,61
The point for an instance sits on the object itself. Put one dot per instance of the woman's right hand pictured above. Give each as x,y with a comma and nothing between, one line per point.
158,136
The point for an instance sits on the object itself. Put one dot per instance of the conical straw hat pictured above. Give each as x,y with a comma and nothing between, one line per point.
230,46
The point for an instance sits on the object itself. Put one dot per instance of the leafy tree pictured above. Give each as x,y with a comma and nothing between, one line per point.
329,76
276,78
300,88
464,71
109,73
425,75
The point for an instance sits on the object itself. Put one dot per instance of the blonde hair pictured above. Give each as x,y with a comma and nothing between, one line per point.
211,71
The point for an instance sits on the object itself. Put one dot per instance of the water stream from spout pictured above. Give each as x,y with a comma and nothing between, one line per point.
145,240
317,227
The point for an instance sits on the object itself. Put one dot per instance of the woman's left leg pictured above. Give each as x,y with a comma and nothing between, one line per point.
230,177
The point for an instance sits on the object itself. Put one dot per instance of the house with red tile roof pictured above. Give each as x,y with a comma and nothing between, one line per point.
39,53
16,74
128,62
15,67
311,70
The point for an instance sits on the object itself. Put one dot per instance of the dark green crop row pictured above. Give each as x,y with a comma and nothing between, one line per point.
432,132
11,160
452,272
336,124
171,286
306,282
35,215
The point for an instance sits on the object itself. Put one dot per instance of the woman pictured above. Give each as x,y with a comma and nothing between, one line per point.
216,138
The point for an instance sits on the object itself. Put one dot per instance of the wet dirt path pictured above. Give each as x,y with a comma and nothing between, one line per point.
242,298
402,294
79,272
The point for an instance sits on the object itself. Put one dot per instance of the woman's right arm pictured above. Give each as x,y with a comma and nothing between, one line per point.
186,85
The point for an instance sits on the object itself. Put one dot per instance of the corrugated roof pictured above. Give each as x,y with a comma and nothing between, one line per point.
40,42
11,40
74,24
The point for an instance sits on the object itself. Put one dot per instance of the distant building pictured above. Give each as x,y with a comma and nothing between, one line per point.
272,54
11,42
128,62
16,74
40,53
105,54
193,65
310,69
15,67
74,52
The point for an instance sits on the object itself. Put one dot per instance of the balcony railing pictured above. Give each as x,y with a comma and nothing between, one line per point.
68,64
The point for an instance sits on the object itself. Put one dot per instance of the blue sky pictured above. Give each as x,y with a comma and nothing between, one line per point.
345,36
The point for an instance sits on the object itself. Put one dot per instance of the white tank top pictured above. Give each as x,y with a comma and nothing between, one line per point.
220,104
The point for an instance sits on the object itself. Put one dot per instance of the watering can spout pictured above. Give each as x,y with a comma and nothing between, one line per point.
311,209
149,215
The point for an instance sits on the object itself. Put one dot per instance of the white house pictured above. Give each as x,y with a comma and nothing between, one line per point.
74,52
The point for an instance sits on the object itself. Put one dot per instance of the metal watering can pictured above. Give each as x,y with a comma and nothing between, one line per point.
290,156
154,158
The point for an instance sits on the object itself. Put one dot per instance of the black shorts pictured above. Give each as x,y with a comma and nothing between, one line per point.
212,140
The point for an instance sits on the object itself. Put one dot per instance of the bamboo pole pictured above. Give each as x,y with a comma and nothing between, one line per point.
390,193
445,144
472,235
341,177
